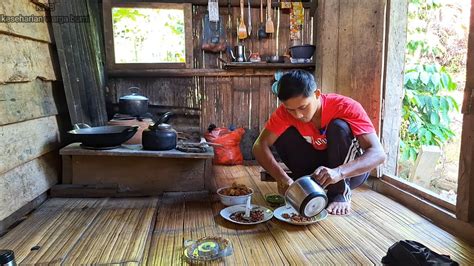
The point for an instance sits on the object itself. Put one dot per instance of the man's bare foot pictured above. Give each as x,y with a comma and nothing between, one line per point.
339,208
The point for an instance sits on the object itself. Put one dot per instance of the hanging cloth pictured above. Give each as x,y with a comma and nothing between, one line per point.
296,20
213,9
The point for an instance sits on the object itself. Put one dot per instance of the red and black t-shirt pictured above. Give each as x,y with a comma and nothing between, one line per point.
333,106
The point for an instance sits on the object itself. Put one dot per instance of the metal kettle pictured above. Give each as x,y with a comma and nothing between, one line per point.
306,196
239,54
160,136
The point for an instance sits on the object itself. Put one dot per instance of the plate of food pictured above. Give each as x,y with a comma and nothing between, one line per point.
235,214
288,214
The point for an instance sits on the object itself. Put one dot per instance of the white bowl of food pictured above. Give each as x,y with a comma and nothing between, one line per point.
234,195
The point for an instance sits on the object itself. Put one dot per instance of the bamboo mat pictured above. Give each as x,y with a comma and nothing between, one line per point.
152,231
117,235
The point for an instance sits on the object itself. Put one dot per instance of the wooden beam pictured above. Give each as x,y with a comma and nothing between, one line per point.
419,191
395,44
89,191
76,51
465,198
190,73
437,215
233,3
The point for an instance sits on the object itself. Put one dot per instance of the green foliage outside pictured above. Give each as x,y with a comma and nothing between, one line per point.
148,35
426,102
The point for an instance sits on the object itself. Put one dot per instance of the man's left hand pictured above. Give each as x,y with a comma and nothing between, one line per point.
326,176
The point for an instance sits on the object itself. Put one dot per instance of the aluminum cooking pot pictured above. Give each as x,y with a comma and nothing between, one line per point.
306,196
133,104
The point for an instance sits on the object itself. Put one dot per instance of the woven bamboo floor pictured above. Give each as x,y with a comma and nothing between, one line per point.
151,231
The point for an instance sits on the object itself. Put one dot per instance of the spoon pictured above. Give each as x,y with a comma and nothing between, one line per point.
247,209
242,30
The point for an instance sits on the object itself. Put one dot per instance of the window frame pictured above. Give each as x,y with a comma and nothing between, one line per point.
456,217
107,6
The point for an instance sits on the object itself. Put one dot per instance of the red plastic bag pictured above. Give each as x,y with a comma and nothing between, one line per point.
229,153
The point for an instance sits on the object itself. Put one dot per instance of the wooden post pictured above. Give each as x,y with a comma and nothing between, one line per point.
395,44
425,164
465,199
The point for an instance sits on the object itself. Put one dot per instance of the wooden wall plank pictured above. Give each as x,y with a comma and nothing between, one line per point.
30,60
328,40
367,67
345,47
268,102
82,82
172,92
24,101
240,117
224,91
26,182
254,102
393,84
22,142
36,31
208,114
349,51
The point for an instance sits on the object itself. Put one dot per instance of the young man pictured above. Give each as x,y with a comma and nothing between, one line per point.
327,136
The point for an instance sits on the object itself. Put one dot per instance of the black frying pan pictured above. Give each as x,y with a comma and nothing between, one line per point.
105,136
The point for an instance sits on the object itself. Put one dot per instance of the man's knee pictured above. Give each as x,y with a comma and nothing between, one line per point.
339,127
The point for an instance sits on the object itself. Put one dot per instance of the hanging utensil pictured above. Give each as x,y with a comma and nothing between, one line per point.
269,28
261,30
277,32
250,19
213,9
242,30
229,18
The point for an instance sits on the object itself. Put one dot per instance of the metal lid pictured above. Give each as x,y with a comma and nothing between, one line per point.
164,126
314,206
6,256
135,95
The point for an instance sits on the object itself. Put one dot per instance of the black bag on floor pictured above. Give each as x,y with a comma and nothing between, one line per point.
407,252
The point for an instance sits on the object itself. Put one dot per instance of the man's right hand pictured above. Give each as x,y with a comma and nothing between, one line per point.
283,186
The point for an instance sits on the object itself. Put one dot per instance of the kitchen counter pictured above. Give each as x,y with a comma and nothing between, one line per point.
129,170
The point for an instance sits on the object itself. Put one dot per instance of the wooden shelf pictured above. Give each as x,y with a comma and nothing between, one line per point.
265,65
134,151
232,70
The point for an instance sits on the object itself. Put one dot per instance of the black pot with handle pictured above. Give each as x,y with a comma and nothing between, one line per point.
133,104
160,136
